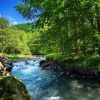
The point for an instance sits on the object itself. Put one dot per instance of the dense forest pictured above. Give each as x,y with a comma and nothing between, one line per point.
64,29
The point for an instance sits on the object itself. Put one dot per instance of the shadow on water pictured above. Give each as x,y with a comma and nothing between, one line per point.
46,85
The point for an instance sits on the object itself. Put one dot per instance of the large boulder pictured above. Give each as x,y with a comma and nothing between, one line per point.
13,89
10,87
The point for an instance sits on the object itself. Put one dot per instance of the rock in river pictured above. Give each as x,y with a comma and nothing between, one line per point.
10,87
13,89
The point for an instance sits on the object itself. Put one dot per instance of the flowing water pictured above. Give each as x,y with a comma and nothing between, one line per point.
46,85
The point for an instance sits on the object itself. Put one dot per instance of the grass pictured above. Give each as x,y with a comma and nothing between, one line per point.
56,56
88,61
16,56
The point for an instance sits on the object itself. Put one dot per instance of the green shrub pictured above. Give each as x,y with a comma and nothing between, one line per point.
93,61
90,61
55,56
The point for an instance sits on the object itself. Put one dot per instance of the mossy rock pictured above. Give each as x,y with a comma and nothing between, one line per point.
13,89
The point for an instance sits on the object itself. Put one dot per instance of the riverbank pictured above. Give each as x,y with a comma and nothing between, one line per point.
16,56
10,87
85,66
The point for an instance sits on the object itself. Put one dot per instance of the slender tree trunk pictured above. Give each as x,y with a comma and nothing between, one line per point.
98,24
97,18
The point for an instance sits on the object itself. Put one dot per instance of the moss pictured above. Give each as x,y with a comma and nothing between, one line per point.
84,62
13,89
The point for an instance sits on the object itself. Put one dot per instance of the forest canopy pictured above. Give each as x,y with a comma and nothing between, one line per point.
73,26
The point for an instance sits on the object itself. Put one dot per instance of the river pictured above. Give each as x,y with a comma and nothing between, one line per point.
47,85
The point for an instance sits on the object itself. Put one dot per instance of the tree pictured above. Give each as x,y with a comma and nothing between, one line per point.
73,23
3,23
13,40
27,27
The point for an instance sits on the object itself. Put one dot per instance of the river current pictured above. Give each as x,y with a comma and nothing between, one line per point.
47,85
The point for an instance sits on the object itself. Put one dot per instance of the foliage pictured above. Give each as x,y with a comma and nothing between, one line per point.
63,29
67,29
34,42
27,27
3,23
73,25
55,56
83,62
13,41
92,61
15,56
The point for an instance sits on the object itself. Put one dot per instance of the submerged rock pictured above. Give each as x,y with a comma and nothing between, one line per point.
13,89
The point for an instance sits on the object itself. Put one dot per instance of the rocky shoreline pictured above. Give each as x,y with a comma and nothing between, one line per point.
10,87
5,66
65,68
